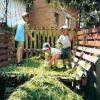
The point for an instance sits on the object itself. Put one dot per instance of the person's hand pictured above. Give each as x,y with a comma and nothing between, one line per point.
27,26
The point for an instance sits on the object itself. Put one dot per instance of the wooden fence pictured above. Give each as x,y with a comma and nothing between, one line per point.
89,37
87,56
7,51
42,35
46,34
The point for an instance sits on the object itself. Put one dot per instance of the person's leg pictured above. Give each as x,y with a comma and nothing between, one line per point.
55,58
20,52
63,57
18,55
69,56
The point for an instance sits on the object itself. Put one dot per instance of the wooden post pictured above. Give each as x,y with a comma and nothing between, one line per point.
98,78
35,33
26,42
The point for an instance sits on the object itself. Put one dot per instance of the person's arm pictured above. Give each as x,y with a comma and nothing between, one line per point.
28,32
30,36
48,59
54,58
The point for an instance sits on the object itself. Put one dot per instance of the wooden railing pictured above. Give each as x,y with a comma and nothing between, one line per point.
42,35
45,34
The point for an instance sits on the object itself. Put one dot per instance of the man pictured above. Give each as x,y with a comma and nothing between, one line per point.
51,54
65,45
22,29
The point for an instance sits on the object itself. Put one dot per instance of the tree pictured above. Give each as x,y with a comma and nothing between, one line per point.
89,10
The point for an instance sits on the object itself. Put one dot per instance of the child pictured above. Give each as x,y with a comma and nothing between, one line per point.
65,44
51,54
22,27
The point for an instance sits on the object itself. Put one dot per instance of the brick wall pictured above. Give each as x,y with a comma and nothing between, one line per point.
43,14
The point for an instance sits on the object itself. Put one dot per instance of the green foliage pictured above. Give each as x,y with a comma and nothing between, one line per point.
43,88
28,66
43,84
85,7
35,66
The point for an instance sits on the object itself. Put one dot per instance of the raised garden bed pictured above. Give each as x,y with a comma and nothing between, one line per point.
43,88
44,85
9,81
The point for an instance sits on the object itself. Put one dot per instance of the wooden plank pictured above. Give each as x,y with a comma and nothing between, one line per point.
87,57
90,43
6,43
81,63
1,33
87,31
4,51
2,43
4,63
35,42
31,44
88,49
5,35
39,40
5,40
3,46
3,57
88,37
80,33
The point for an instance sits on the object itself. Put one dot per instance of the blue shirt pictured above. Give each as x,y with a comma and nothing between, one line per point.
20,32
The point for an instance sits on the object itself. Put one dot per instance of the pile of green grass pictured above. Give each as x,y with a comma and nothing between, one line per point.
27,68
43,85
35,66
43,88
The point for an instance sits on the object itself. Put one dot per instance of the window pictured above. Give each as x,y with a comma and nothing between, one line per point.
48,1
67,21
57,18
